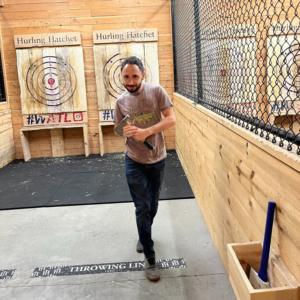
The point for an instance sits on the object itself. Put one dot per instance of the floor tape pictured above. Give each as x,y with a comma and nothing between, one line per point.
7,274
178,263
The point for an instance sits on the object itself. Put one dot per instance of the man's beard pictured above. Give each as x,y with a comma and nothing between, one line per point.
135,89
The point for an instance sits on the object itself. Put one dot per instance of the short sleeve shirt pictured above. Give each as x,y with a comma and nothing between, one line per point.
144,109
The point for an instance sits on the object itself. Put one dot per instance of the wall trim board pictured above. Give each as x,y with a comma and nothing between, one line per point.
290,158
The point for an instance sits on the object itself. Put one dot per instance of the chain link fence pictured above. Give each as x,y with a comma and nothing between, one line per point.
241,59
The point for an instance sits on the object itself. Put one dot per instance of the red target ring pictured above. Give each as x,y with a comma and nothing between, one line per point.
51,81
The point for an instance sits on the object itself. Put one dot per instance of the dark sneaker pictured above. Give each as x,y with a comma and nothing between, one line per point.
151,269
139,247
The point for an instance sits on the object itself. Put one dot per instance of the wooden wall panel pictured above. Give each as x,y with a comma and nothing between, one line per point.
74,143
110,141
234,173
44,16
7,146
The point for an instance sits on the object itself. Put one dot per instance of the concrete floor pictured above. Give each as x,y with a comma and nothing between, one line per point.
97,234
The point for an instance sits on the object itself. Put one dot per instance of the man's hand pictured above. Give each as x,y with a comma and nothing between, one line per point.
141,134
129,130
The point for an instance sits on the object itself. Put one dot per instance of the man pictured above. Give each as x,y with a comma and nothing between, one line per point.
144,103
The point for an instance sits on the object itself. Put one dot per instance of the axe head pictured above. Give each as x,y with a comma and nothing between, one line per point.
119,129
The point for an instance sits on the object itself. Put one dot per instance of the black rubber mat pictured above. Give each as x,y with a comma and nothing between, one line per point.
25,192
77,180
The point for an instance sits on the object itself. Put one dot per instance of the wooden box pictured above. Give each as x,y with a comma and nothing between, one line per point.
283,285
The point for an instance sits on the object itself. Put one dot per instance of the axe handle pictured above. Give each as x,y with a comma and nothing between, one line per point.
148,145
267,242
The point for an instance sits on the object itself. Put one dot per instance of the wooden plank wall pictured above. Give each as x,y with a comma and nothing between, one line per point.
7,147
233,174
45,16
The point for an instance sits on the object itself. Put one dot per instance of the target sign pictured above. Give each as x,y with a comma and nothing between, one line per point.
224,80
112,73
283,75
51,80
288,69
108,60
229,73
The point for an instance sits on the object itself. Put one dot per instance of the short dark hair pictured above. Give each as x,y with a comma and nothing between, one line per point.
132,60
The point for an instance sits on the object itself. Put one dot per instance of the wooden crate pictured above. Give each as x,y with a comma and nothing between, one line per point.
283,285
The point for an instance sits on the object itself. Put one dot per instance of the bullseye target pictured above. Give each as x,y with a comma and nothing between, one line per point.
108,60
112,79
228,70
225,80
227,75
51,81
288,69
283,75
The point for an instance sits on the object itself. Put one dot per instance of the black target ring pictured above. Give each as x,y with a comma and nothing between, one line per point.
56,86
287,60
112,69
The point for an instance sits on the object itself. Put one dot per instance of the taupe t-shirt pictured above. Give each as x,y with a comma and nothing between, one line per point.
144,109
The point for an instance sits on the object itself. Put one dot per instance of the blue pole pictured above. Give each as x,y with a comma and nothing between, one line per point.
262,273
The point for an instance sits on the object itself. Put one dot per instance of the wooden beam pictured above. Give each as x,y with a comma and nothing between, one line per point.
101,135
86,140
57,141
25,146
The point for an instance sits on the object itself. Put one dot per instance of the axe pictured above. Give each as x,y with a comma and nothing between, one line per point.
260,280
119,131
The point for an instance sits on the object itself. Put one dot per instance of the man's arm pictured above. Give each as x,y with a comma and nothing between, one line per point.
169,121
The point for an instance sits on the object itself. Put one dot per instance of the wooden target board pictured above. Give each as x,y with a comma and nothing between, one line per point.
108,59
284,74
229,72
51,80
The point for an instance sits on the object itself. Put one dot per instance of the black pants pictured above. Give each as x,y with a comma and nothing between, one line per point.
144,181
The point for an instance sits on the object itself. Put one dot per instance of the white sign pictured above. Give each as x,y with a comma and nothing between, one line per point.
125,36
47,39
